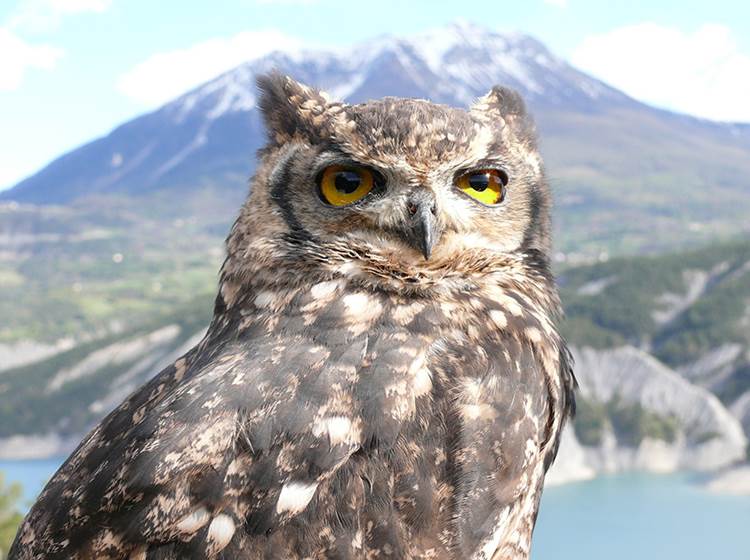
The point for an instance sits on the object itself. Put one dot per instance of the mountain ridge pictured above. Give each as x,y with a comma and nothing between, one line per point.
627,177
388,65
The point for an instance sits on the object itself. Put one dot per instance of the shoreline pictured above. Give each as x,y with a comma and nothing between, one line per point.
733,480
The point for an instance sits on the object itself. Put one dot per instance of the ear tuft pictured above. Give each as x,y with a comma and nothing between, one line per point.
289,107
506,105
502,101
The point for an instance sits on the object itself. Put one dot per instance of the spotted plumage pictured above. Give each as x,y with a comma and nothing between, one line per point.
379,380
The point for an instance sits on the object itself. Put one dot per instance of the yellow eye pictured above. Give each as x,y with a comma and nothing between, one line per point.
486,185
341,185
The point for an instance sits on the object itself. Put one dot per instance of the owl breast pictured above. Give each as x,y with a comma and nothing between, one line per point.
428,402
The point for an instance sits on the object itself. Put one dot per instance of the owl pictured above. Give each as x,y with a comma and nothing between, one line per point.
382,376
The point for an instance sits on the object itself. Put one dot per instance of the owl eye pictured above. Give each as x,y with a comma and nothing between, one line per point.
341,185
486,185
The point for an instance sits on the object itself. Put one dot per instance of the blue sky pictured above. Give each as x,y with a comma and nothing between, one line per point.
71,70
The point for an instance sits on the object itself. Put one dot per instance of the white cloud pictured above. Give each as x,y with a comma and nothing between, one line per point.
11,172
287,2
557,3
701,73
75,6
19,56
45,15
166,75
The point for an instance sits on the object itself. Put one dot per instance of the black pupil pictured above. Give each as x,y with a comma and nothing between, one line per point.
479,181
347,181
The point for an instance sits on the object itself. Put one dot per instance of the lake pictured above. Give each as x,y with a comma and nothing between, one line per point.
648,517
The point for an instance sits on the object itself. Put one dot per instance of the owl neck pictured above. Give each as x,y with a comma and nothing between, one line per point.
276,283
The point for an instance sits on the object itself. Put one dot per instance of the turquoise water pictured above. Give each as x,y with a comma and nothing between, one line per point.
643,517
32,475
626,517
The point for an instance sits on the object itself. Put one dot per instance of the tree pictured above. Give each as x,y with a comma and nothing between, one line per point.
10,517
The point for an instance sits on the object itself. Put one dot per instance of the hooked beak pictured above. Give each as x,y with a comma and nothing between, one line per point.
422,231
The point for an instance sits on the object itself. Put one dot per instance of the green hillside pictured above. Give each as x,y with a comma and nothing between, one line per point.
86,272
10,516
679,307
632,181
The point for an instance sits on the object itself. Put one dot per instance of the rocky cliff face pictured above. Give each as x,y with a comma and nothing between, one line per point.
708,436
741,410
734,480
688,314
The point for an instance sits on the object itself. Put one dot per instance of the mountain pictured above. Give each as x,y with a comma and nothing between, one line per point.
57,399
627,176
210,133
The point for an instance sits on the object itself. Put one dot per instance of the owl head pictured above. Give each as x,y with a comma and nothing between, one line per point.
402,189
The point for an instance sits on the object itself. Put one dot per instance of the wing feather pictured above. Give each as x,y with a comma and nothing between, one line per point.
244,440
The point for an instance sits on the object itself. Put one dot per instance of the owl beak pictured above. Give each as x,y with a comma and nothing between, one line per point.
423,231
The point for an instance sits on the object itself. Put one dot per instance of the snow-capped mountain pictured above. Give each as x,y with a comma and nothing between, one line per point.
212,131
452,65
605,151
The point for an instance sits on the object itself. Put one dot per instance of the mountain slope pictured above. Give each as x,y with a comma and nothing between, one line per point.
622,170
690,310
634,413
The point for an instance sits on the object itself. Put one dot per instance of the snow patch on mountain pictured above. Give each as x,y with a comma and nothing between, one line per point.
455,64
